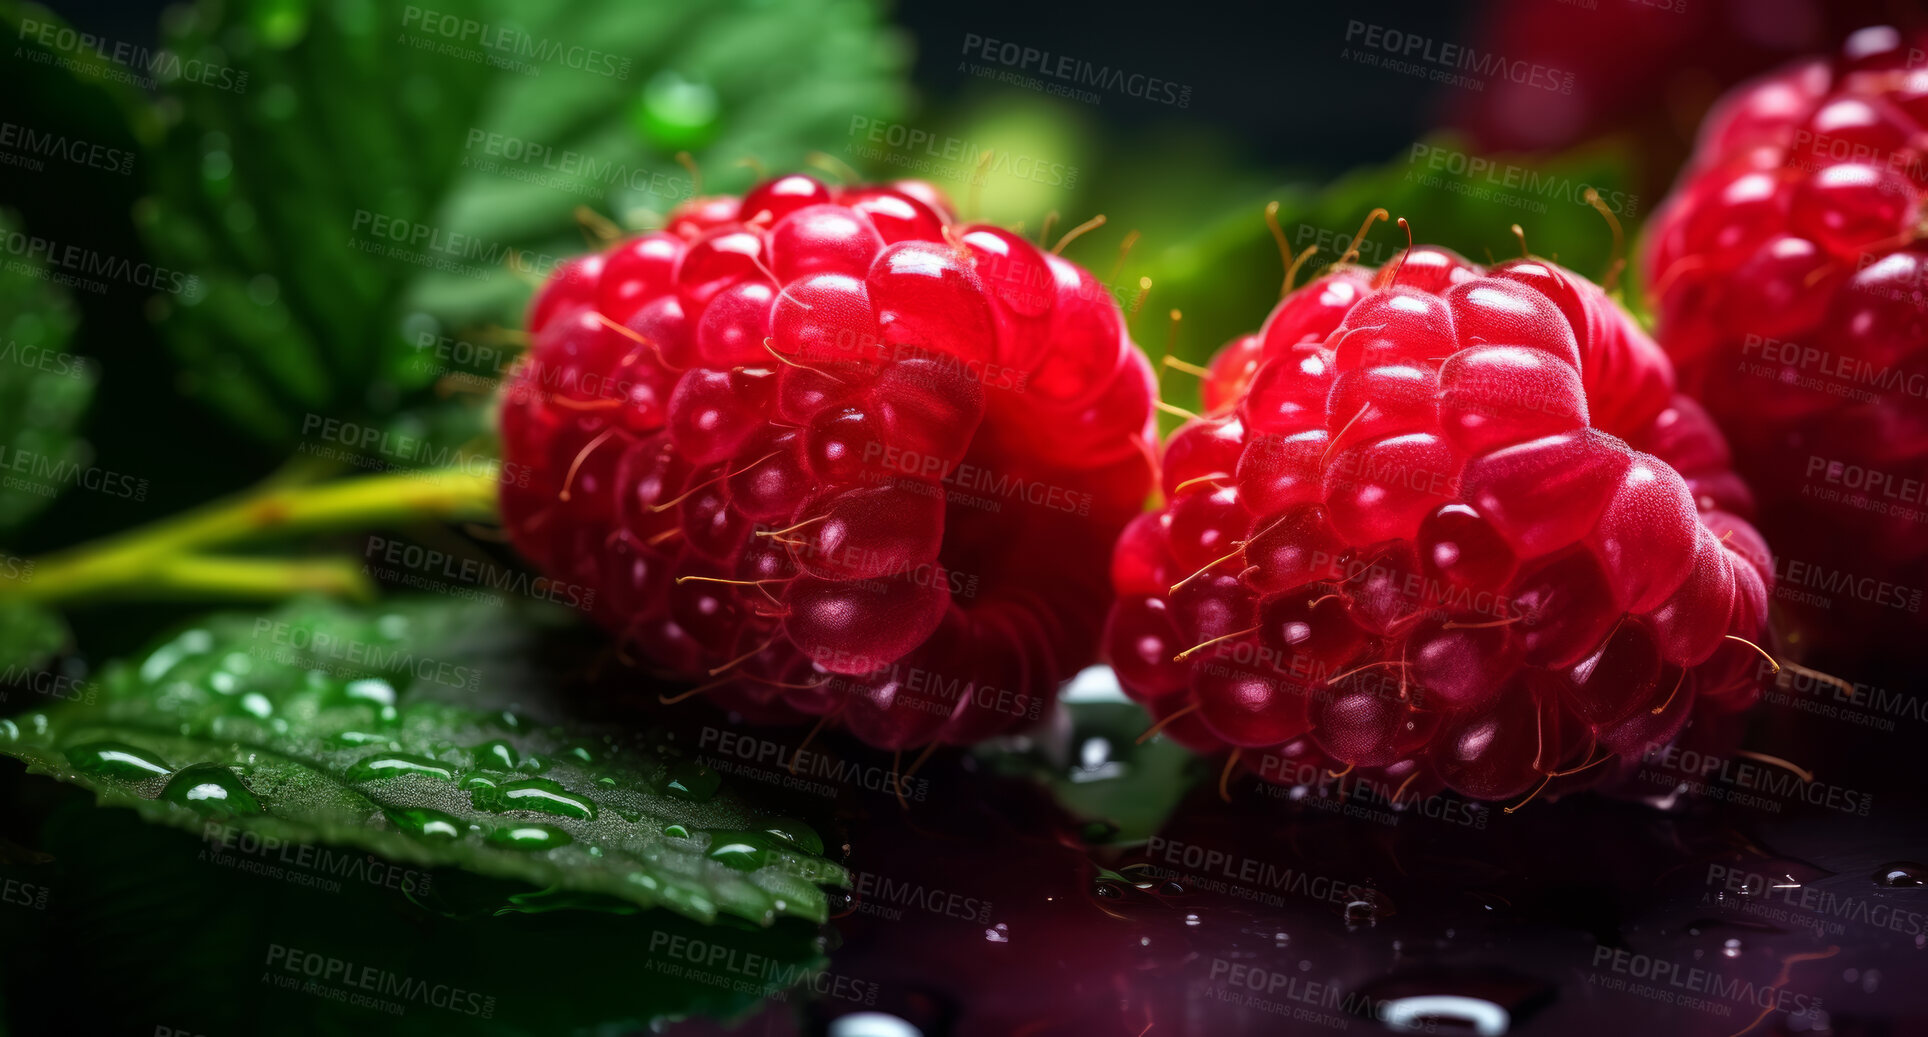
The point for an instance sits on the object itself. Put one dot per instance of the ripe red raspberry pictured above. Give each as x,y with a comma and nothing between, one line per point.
1448,523
828,453
1788,273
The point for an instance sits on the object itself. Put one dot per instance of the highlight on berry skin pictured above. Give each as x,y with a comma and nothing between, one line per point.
826,452
1443,526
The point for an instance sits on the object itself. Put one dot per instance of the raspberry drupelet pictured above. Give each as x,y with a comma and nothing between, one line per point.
1448,526
825,452
1788,271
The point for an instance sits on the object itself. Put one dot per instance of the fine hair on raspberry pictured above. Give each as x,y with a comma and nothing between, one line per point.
825,452
1443,526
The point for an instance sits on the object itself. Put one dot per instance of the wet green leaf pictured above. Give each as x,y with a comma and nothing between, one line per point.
383,729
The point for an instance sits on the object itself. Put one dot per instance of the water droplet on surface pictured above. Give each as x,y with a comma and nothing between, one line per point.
744,851
871,1024
390,765
373,690
496,755
1361,912
351,739
117,760
1421,1013
539,794
676,831
1732,948
795,832
691,781
530,837
425,821
676,113
1901,875
210,788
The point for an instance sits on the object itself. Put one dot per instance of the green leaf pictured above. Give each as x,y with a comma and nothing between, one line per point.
362,183
30,634
384,729
206,935
44,390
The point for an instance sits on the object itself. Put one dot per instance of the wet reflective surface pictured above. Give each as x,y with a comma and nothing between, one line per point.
1745,906
1074,881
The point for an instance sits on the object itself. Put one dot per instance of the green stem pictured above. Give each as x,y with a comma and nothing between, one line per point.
210,576
135,560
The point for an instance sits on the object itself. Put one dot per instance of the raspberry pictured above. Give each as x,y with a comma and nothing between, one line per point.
828,453
1449,525
1788,275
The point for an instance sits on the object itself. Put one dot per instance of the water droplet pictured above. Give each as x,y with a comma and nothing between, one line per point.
353,739
190,642
744,851
389,765
871,1024
677,113
542,795
424,821
1106,891
9,730
1732,948
535,764
1901,875
999,933
372,690
530,837
117,760
210,789
495,755
1483,1017
691,781
1360,912
1191,919
795,832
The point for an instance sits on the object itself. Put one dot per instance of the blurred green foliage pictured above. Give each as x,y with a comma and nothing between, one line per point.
346,182
44,390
